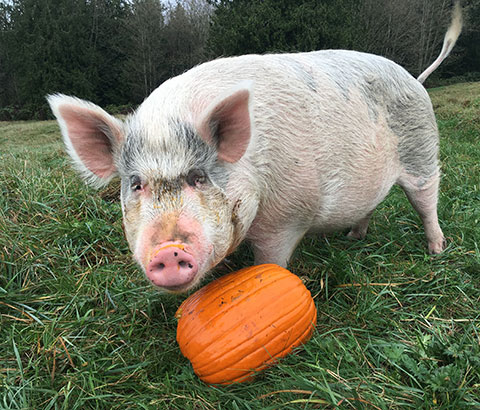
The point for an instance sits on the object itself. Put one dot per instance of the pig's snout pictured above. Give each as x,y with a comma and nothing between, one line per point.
171,267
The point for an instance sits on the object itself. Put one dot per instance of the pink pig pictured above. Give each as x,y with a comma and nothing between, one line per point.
264,148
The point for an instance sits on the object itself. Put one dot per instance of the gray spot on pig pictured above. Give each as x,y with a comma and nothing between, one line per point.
131,150
367,78
205,156
411,119
193,144
182,151
140,151
382,83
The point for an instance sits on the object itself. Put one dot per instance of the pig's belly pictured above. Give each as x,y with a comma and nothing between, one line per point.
345,202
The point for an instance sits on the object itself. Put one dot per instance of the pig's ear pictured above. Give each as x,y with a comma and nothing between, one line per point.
227,123
91,136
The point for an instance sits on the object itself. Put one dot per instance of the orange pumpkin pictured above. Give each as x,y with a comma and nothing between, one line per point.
243,322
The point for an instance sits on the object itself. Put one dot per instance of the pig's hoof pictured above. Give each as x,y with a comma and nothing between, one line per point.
435,248
356,235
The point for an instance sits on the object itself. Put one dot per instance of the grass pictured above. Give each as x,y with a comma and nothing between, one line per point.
80,328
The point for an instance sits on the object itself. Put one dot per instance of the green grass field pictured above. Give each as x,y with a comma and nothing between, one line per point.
80,327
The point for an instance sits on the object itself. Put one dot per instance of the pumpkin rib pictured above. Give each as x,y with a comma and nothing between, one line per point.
229,282
222,312
297,311
197,324
235,326
267,363
226,284
281,355
310,328
300,310
230,279
208,294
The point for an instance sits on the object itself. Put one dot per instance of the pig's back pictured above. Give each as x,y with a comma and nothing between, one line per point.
329,127
379,80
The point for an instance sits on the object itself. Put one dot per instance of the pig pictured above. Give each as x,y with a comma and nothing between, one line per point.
264,148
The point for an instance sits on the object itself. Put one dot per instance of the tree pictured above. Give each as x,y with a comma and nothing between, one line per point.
108,41
466,59
186,34
45,47
409,32
118,51
60,46
7,78
248,26
144,68
164,40
432,25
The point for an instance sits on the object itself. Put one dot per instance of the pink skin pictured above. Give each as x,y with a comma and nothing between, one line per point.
233,126
174,252
84,131
171,266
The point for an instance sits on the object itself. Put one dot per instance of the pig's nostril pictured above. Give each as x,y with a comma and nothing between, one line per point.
184,264
161,266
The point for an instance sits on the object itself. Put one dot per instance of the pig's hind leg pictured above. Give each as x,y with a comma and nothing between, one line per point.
423,195
413,121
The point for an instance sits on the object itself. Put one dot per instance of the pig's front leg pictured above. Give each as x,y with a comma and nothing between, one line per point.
359,231
276,247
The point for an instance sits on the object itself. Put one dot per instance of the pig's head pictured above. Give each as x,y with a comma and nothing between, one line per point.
179,214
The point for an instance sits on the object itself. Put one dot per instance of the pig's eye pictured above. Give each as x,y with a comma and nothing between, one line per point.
196,178
136,184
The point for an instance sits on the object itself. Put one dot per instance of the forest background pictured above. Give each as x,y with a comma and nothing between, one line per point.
115,52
